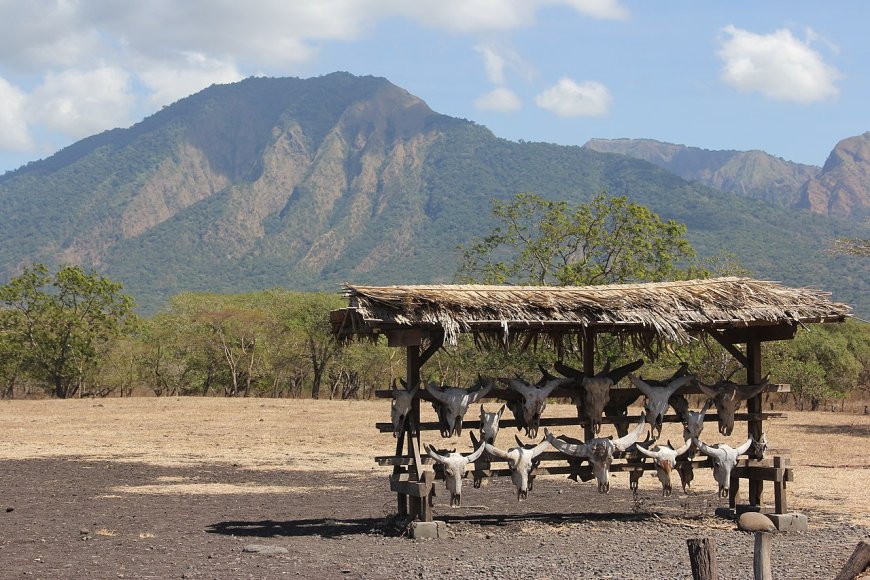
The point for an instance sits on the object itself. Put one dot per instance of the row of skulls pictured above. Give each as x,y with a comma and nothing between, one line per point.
452,403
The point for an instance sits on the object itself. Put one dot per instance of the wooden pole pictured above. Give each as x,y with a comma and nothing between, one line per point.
754,426
589,371
858,562
412,374
761,561
702,556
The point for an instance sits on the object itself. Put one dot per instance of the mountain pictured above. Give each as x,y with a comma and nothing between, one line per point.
753,174
306,183
843,186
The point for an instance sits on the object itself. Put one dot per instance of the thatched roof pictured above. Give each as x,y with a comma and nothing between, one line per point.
668,311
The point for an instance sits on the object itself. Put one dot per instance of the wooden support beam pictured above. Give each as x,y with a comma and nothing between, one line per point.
589,371
755,427
702,557
780,489
729,346
762,333
761,560
436,342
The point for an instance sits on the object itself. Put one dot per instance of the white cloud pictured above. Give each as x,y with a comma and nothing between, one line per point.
568,98
501,100
777,65
603,9
81,103
14,135
169,82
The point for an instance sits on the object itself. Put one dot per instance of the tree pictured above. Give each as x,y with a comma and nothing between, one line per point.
60,323
851,246
608,240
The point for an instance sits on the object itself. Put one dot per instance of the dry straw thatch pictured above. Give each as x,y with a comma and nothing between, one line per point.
663,311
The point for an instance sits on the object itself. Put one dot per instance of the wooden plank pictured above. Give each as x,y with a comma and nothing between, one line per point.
780,489
702,558
762,333
857,563
761,558
763,473
409,337
401,460
411,488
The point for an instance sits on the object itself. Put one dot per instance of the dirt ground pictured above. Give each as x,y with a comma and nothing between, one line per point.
180,487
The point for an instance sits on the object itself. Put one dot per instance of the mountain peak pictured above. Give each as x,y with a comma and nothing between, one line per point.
843,186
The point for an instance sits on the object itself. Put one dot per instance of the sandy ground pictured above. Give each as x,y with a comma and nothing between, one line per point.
176,486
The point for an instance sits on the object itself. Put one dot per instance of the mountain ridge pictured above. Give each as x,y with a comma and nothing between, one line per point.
307,183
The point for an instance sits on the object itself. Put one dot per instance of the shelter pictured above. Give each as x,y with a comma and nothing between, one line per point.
733,311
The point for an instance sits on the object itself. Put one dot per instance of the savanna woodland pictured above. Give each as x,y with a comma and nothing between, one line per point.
74,333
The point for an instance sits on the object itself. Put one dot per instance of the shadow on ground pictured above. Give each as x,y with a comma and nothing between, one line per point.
394,526
851,430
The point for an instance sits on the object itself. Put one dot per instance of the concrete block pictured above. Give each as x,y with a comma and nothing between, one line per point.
793,522
424,530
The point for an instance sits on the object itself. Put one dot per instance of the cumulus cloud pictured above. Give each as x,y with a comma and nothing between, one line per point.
169,82
501,100
568,98
14,135
80,103
777,65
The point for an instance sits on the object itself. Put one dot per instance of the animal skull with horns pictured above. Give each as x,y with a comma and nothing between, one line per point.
596,389
658,393
534,399
400,410
665,459
727,397
454,470
724,459
599,451
451,403
521,461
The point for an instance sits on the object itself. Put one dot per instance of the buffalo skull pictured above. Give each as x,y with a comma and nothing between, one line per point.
596,389
658,393
451,403
727,397
489,424
534,400
665,459
724,459
599,451
521,461
454,470
400,410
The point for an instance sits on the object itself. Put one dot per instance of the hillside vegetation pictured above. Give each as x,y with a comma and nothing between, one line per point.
305,184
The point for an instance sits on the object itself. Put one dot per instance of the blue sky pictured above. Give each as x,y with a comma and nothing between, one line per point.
788,77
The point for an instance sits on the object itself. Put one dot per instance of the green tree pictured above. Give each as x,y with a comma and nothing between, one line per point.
62,322
608,240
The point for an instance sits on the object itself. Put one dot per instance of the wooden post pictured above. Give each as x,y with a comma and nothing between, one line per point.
761,561
858,562
702,556
589,371
780,489
753,405
412,376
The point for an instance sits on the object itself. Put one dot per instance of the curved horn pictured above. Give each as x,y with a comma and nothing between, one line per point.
474,441
436,392
750,391
684,448
404,384
640,385
709,451
434,454
745,447
624,443
577,450
684,368
475,396
413,392
567,371
546,374
496,452
519,441
648,453
620,373
708,390
471,458
707,404
540,448
554,384
501,410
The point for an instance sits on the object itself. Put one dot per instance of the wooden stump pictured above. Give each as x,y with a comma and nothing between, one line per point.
761,561
702,556
857,562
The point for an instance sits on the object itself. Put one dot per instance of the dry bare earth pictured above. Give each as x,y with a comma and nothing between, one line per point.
177,487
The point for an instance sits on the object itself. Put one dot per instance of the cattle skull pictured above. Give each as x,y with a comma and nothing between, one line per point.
534,400
400,411
599,451
657,395
521,461
759,448
451,403
454,470
724,459
693,424
665,459
727,397
489,424
596,389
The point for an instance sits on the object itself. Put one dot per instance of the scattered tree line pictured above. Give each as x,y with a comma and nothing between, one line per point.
74,333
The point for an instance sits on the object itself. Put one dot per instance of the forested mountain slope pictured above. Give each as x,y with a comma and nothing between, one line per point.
309,183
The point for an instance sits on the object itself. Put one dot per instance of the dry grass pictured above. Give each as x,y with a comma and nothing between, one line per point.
828,450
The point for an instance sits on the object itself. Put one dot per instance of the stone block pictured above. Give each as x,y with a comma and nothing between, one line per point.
726,512
424,530
793,522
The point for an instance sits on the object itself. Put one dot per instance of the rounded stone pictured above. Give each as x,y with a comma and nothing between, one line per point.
755,522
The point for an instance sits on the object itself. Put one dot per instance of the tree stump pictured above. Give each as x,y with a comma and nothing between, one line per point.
702,556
